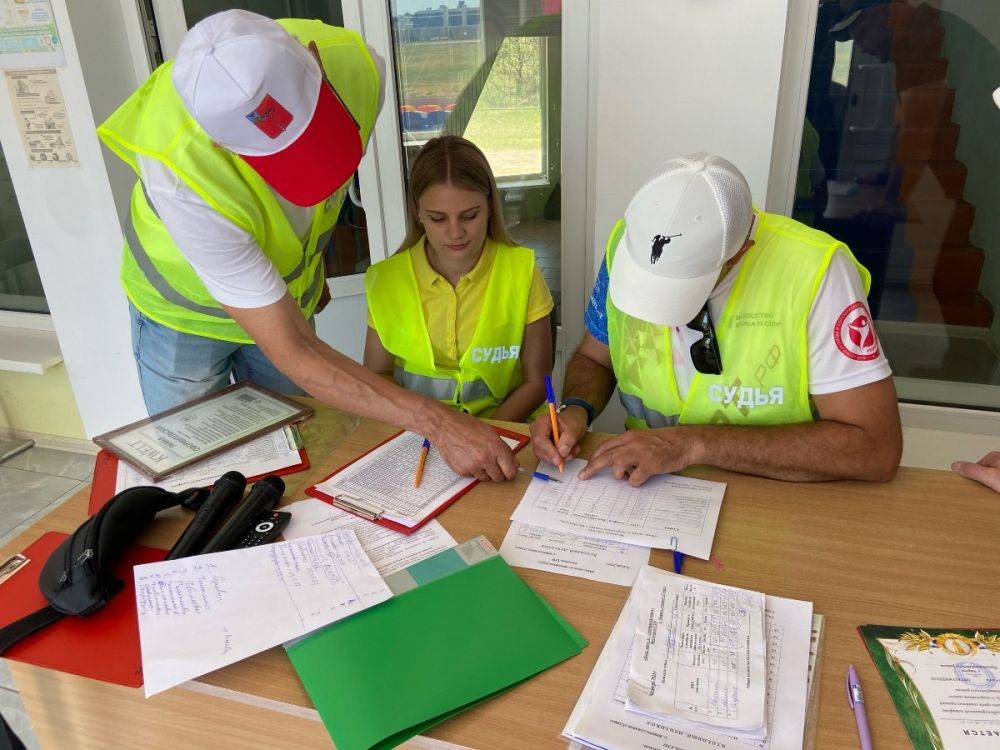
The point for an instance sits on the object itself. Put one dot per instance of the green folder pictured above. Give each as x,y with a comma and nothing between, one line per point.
391,672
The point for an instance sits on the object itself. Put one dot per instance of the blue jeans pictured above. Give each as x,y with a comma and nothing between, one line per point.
175,367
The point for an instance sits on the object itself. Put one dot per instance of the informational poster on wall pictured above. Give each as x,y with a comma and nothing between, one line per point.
40,112
28,35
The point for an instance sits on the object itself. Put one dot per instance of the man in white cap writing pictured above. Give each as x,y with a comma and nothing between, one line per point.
737,339
244,146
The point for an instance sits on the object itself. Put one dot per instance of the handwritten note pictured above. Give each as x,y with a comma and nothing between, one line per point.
201,613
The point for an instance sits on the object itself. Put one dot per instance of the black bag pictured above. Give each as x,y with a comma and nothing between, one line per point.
77,578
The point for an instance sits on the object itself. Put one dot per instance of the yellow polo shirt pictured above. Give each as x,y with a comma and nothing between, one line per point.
451,313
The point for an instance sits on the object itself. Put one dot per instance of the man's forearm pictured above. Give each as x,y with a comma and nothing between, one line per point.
815,451
588,380
339,381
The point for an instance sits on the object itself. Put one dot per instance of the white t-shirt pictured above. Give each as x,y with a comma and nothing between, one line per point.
226,258
844,350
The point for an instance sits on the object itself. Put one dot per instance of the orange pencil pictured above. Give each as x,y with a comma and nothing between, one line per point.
424,450
550,396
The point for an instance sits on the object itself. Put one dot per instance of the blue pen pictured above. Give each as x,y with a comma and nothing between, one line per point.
538,475
678,561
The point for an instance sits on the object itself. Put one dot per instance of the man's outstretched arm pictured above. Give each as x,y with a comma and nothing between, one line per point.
857,436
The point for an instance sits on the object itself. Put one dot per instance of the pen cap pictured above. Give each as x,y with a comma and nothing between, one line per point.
549,393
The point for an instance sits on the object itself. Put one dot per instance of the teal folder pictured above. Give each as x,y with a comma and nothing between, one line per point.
392,671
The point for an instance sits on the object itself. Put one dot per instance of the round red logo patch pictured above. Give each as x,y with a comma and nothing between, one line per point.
855,334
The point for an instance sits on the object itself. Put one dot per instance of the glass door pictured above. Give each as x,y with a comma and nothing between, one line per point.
490,71
900,157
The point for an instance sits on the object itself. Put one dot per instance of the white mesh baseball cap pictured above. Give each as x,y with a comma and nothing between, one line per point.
261,94
680,229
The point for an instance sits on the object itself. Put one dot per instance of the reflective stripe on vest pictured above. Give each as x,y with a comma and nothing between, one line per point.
154,124
762,335
442,389
480,382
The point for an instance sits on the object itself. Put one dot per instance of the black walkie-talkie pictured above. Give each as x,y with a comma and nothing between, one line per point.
264,495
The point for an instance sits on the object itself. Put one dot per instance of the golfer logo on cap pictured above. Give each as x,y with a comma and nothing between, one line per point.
658,242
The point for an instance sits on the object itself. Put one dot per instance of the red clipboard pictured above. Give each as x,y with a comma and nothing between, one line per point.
105,479
103,646
522,440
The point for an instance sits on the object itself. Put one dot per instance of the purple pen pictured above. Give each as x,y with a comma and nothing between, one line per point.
856,701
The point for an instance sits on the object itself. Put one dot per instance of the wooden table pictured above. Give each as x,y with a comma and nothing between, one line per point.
916,551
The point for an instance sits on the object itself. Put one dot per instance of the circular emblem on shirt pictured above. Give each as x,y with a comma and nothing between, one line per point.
855,334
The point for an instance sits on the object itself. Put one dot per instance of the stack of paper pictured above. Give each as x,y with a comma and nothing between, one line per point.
675,655
700,654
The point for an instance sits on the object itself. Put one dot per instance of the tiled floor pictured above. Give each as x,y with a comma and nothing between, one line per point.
32,484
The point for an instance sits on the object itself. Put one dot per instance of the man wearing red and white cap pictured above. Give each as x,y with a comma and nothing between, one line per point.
244,147
736,338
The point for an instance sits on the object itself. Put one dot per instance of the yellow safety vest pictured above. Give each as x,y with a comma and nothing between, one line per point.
762,336
153,122
491,366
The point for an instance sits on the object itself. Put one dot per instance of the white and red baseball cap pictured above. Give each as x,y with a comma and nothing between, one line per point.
680,229
261,94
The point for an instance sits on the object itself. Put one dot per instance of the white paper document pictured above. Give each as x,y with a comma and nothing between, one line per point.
700,653
667,512
389,550
600,719
264,455
584,557
381,483
200,613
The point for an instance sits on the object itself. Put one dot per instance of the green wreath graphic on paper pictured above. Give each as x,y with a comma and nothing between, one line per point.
931,737
914,712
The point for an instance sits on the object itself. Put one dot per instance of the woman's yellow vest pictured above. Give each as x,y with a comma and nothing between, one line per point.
763,338
153,122
490,367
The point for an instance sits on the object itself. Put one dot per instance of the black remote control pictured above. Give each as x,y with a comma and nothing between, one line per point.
265,529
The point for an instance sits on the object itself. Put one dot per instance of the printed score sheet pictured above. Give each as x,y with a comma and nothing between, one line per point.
667,512
383,481
201,613
389,551
569,554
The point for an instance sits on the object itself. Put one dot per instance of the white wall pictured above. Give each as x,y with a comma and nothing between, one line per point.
74,229
675,76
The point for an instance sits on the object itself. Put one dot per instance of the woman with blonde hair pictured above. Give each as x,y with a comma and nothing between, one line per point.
460,312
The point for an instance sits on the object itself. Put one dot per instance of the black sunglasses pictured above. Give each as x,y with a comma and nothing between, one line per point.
705,352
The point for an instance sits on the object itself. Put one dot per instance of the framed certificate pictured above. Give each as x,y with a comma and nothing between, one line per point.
943,682
191,432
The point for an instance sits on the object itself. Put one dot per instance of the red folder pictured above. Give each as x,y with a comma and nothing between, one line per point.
103,646
102,487
522,440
